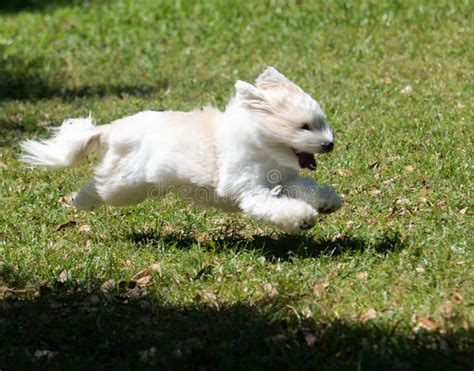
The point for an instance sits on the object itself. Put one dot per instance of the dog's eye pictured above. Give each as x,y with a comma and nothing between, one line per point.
305,127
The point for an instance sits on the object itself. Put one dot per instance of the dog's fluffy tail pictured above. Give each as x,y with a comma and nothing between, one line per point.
72,142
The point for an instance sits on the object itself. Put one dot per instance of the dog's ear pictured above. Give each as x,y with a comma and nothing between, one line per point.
250,96
271,78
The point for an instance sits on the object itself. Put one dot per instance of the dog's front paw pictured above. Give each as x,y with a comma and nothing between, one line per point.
328,201
298,218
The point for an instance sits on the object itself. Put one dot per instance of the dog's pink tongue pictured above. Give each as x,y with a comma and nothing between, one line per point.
306,160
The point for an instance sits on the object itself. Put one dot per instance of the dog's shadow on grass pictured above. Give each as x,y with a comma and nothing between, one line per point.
80,328
274,246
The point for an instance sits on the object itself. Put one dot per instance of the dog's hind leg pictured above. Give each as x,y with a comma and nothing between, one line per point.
88,197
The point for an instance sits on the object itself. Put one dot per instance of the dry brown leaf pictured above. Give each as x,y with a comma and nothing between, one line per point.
362,276
62,276
447,309
463,211
343,172
320,288
167,229
143,281
388,80
142,278
107,286
270,289
208,295
420,270
155,267
369,315
409,169
140,274
64,225
375,192
424,192
426,324
457,297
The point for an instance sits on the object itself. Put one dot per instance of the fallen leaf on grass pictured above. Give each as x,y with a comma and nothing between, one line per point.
107,286
375,192
420,270
463,211
457,297
167,229
362,276
208,297
343,172
155,267
64,225
409,169
369,315
143,281
270,289
142,278
4,291
320,288
388,80
62,276
426,324
424,192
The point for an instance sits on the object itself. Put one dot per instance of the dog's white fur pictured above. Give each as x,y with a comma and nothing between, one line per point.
242,159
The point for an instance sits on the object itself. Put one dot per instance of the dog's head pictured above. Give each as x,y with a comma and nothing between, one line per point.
291,125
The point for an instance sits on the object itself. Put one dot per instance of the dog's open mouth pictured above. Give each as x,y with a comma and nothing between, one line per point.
306,160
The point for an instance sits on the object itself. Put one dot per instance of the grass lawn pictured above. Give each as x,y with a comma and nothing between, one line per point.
385,283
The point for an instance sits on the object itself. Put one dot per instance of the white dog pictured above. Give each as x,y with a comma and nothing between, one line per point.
246,158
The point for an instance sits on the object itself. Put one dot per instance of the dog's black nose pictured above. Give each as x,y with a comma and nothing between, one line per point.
327,146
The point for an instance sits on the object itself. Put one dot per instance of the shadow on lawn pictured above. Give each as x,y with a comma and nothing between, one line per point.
24,79
75,329
14,6
275,246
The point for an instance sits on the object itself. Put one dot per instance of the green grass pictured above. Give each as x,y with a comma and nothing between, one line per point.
229,292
